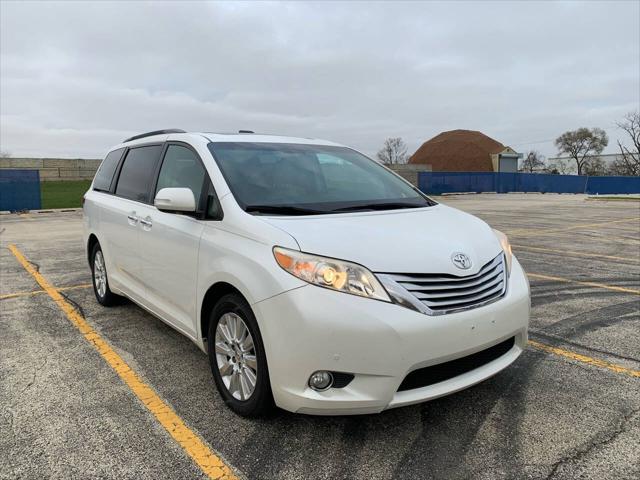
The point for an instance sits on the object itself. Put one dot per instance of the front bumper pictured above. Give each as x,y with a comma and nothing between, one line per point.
311,328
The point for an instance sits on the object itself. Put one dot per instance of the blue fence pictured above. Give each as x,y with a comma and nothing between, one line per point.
19,190
448,182
613,185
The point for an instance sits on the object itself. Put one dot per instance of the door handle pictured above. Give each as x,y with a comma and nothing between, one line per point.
146,223
133,220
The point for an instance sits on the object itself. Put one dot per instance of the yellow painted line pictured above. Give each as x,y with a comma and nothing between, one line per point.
626,231
596,241
573,252
37,292
211,464
535,232
609,239
20,294
584,359
627,228
75,287
586,284
586,239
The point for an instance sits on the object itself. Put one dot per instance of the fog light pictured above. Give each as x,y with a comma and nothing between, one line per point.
321,380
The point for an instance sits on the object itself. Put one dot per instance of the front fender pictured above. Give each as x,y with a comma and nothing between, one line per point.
245,262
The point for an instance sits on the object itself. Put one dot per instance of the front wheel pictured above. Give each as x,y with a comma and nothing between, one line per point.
101,289
237,358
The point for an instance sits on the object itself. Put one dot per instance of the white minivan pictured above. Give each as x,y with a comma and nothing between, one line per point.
315,278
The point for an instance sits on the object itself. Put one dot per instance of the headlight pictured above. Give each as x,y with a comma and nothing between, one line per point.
330,273
506,248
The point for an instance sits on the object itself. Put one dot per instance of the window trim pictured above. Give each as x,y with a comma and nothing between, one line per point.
207,184
121,164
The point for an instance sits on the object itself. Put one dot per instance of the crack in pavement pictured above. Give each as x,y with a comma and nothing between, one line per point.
74,304
581,453
9,411
34,376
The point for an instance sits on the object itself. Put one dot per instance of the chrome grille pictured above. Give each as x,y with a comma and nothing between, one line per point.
443,293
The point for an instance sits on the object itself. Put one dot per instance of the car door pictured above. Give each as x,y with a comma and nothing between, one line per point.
119,218
169,242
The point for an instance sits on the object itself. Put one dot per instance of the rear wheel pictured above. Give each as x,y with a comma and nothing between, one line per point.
237,357
100,282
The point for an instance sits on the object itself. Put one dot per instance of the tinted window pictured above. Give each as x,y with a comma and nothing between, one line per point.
103,178
181,168
137,172
314,177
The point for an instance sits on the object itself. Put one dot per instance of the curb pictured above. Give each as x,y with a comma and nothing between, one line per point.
612,198
49,210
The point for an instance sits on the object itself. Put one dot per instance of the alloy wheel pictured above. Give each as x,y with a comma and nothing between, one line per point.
236,356
99,274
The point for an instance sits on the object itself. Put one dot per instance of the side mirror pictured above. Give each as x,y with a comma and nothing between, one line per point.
175,200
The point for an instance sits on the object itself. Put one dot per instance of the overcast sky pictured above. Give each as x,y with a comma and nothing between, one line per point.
77,78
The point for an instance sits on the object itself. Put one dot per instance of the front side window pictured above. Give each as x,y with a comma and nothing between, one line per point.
104,176
310,179
137,173
181,168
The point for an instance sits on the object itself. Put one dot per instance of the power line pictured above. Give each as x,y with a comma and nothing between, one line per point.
532,143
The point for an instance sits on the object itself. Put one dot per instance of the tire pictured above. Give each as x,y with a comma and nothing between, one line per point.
101,289
237,356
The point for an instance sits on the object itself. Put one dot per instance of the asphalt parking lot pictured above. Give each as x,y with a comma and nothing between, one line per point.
568,408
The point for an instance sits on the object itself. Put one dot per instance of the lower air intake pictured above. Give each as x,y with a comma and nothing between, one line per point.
424,377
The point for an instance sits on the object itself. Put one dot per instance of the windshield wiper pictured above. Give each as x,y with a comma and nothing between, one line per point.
379,206
283,210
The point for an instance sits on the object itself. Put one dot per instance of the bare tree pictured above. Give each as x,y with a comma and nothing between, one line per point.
394,150
594,166
534,161
559,166
624,168
629,163
581,144
4,154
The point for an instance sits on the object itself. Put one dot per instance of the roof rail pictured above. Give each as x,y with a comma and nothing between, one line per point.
155,132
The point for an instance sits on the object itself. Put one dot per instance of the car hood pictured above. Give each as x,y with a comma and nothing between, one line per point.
396,241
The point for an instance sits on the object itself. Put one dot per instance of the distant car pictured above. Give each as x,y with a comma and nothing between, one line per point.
314,277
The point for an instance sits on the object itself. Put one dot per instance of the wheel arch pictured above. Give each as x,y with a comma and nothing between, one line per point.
211,297
91,242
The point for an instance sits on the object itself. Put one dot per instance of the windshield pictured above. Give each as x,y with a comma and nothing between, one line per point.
293,179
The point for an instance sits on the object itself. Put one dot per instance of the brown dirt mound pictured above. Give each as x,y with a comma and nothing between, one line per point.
458,150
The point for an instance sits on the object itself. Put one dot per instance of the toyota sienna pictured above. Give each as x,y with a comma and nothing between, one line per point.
315,278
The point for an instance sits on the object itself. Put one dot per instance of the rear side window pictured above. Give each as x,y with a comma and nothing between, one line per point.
104,176
136,174
181,168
